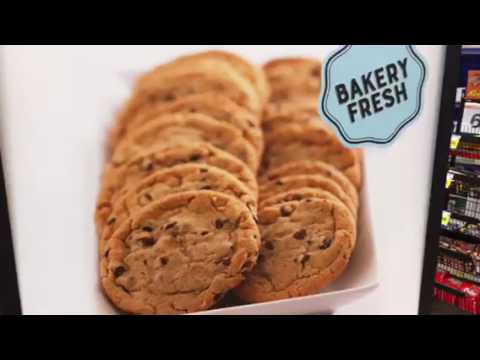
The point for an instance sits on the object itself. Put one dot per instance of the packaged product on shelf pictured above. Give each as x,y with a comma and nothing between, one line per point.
471,118
473,86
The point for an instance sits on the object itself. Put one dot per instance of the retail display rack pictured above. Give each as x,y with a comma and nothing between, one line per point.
457,280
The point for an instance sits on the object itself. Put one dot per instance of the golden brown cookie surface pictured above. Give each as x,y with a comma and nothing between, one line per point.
308,167
306,245
294,182
180,255
292,78
310,142
172,81
177,179
251,72
185,129
216,106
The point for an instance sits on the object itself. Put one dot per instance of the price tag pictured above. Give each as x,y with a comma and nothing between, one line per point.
450,177
445,218
454,141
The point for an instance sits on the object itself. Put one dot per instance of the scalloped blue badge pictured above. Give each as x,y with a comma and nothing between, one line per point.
371,92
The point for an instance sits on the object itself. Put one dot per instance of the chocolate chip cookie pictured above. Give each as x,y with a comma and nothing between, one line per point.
292,78
179,129
177,179
172,81
217,106
299,111
251,72
180,254
296,142
117,178
288,183
308,167
306,245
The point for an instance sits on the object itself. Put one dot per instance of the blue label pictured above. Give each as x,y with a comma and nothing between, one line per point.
371,92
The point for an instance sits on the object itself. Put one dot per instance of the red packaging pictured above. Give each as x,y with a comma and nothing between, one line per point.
473,85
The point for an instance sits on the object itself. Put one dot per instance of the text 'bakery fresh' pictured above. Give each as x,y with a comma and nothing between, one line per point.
374,91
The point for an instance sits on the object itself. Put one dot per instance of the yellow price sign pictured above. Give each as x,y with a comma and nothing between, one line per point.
445,218
454,141
449,180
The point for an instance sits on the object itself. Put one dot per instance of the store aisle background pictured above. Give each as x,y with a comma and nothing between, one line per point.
70,88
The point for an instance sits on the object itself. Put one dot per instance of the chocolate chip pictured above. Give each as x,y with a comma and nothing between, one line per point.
195,157
164,261
226,262
124,289
107,253
119,271
111,221
305,259
316,71
297,197
219,224
261,258
300,235
326,244
148,229
170,226
269,246
170,97
149,167
149,242
251,123
286,210
204,233
207,187
248,264
145,199
266,163
204,171
279,183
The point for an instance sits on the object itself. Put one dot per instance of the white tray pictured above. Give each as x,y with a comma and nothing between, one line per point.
360,278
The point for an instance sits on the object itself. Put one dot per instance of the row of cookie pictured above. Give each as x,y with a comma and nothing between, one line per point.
176,214
308,191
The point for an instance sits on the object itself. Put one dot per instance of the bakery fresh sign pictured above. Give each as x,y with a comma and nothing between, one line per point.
371,92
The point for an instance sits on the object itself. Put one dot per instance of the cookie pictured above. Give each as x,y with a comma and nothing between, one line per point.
172,81
307,167
305,119
306,245
304,194
288,183
252,73
214,105
296,142
300,111
179,129
179,255
291,78
180,178
117,178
